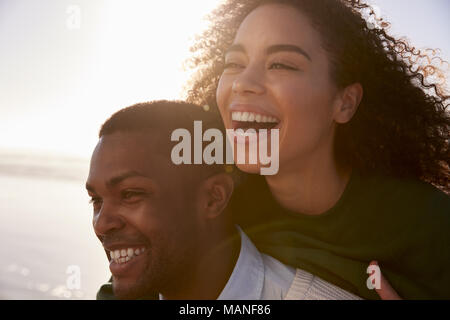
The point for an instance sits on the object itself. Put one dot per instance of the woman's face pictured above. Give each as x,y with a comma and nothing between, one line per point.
277,68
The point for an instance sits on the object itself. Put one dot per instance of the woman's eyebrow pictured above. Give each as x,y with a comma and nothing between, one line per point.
287,47
235,48
272,49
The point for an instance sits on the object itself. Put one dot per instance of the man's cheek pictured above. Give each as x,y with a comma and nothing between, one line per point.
144,216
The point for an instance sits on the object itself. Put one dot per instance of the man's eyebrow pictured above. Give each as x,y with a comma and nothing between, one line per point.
118,179
287,47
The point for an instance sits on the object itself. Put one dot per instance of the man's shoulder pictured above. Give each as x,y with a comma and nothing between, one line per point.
106,292
278,277
271,278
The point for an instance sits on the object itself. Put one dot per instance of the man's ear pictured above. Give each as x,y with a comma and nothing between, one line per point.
215,192
348,102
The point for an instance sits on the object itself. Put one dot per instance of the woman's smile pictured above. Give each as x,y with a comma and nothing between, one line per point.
279,80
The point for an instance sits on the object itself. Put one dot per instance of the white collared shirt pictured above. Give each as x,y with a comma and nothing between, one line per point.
257,276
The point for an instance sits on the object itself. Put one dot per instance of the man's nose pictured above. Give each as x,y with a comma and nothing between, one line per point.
107,219
249,81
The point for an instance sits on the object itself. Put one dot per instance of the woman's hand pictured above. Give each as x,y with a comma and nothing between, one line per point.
386,292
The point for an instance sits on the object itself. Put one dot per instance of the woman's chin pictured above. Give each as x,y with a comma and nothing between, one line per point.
250,168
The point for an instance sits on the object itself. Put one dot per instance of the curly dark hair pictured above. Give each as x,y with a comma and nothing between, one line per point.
402,125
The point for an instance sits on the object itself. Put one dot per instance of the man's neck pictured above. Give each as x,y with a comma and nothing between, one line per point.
211,271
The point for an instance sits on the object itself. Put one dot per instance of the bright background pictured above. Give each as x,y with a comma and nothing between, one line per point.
60,81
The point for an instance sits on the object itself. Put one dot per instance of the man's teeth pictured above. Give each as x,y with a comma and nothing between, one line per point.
252,117
125,255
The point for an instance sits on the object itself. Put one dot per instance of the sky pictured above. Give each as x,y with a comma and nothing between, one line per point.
66,66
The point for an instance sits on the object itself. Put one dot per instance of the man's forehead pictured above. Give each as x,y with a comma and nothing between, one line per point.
134,151
152,141
138,138
145,152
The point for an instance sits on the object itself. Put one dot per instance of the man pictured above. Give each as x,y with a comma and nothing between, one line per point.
165,227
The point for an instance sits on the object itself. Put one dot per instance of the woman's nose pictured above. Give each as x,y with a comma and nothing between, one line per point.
249,81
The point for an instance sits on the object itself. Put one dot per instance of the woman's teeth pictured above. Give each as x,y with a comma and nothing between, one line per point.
252,117
125,255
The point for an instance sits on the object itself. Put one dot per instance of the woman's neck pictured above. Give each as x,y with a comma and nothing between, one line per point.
310,188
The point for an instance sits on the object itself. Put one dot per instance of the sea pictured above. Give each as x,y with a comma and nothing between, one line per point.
48,248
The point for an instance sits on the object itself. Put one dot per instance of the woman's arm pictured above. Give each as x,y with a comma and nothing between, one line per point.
386,292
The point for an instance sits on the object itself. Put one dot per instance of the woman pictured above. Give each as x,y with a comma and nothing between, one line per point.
363,140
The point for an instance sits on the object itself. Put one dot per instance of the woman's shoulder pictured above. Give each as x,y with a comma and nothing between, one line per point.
408,195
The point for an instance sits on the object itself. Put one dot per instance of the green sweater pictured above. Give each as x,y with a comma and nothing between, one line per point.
403,224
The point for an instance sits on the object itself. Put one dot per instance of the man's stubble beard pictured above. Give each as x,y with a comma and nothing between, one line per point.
143,286
164,269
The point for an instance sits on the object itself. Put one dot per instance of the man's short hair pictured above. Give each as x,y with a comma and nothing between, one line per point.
164,117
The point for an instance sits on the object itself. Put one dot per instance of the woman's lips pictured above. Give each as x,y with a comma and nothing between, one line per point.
253,117
252,109
251,120
246,136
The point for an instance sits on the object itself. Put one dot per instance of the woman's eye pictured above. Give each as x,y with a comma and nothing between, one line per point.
232,65
279,65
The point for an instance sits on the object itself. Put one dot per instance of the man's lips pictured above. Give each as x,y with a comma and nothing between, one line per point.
120,251
123,257
112,246
124,266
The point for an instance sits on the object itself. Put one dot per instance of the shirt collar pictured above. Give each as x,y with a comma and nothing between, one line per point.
247,279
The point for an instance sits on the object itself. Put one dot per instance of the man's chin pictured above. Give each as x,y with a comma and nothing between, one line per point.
127,289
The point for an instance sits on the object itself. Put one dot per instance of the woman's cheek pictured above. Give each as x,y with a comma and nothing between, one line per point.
300,133
221,94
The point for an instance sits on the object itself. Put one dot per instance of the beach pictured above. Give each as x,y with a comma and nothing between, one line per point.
49,249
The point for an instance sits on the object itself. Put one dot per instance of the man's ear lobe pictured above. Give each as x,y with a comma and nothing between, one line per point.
216,192
349,101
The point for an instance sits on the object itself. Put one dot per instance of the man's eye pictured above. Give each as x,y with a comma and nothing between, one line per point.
132,195
95,200
279,65
96,203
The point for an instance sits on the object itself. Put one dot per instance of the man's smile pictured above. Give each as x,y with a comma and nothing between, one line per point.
125,259
123,256
126,254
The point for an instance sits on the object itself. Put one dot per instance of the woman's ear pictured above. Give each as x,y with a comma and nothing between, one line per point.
214,194
348,102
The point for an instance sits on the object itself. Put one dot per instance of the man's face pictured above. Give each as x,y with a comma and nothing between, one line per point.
143,210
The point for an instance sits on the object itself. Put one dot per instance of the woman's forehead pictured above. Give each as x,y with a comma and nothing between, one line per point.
275,22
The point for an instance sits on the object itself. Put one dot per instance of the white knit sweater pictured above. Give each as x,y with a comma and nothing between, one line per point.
307,286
